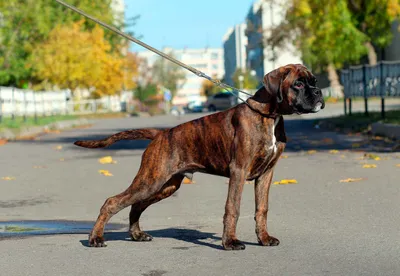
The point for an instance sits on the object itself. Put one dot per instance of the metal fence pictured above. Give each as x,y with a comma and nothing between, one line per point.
27,103
381,80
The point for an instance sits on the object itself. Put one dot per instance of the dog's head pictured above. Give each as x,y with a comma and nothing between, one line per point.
287,90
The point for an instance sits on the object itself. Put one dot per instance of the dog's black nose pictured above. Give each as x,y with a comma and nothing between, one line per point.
317,92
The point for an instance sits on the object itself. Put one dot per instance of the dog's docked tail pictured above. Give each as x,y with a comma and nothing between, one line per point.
134,134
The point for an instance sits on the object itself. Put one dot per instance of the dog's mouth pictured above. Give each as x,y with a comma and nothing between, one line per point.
319,106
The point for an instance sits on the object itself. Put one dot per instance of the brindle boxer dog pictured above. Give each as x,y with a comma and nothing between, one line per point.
242,143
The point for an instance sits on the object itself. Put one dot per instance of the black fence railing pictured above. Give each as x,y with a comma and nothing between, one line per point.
381,80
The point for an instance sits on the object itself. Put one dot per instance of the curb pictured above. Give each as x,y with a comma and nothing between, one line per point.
388,130
8,134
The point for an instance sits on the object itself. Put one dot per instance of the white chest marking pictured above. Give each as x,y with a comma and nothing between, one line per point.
273,138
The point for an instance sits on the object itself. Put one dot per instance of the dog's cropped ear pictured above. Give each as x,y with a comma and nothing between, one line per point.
266,99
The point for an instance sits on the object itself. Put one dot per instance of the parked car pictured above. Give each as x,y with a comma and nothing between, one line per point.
220,101
195,106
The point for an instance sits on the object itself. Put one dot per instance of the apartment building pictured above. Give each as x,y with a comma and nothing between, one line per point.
208,60
261,18
234,44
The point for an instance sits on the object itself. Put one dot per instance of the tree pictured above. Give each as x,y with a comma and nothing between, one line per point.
249,81
74,58
25,24
374,19
168,74
324,33
208,88
145,92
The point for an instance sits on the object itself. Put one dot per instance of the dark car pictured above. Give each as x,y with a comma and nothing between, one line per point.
220,101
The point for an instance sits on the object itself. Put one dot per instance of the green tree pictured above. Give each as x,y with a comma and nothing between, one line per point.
374,18
249,81
168,74
324,33
25,24
144,92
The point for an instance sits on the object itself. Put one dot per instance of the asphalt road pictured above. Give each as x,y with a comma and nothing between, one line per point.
325,227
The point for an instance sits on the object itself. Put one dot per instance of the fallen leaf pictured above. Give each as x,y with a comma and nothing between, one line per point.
284,156
311,151
343,156
3,142
39,167
377,138
285,181
398,165
62,159
351,180
188,181
107,160
369,166
372,156
8,178
105,173
58,147
333,151
356,145
328,141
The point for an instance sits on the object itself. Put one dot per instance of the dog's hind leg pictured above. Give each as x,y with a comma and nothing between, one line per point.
137,209
145,185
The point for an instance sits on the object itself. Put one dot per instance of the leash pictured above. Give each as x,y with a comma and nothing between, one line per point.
148,47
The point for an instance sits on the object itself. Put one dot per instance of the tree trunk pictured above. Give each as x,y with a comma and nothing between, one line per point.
334,81
372,57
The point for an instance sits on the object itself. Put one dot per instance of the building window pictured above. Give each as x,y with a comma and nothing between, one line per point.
214,56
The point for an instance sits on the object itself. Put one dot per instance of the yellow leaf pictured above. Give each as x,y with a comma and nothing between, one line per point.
351,180
105,173
369,166
372,156
356,145
333,151
285,181
39,167
343,156
107,160
398,165
284,156
58,147
8,178
188,181
311,151
62,159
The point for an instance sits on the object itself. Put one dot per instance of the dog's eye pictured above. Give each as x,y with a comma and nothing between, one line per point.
299,84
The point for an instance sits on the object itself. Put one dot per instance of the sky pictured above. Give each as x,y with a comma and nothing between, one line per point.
184,23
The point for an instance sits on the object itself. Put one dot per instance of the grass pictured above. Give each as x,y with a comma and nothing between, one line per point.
19,122
360,122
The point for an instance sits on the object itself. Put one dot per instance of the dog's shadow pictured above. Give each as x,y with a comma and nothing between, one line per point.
187,235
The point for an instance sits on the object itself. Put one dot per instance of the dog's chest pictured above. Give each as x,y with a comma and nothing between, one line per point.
266,152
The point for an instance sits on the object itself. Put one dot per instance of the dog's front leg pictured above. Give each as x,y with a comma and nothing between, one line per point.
262,185
232,209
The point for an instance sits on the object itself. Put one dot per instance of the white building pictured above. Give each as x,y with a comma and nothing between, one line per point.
208,60
235,42
262,17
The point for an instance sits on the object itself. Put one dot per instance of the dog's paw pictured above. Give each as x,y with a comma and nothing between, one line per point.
268,241
95,241
233,245
141,236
